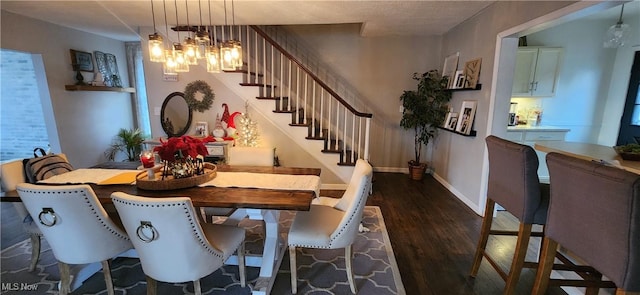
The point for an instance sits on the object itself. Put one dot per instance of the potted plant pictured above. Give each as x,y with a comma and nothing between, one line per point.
128,141
423,110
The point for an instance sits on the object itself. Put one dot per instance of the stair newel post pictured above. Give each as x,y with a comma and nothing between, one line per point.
337,135
297,93
289,82
353,135
281,91
321,111
344,132
366,139
273,81
313,108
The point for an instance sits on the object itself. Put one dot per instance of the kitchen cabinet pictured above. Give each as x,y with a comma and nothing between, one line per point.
537,70
529,135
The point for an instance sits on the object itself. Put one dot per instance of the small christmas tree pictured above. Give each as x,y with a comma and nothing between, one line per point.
247,131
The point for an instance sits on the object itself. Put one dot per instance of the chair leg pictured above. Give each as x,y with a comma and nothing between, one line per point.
524,234
348,257
152,286
197,290
623,292
547,257
292,264
241,265
484,236
106,269
65,278
35,251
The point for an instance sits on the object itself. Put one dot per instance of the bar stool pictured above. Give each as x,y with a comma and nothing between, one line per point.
514,184
595,214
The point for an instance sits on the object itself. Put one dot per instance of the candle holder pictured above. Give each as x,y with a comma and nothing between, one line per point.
148,160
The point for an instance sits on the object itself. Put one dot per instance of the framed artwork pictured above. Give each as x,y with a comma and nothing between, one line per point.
472,73
202,129
458,80
81,61
467,113
450,67
451,121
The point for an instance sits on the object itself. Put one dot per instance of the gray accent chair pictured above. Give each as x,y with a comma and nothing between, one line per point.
172,244
514,185
332,227
76,227
595,214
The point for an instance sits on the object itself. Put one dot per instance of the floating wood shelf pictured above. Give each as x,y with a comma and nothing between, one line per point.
98,88
478,87
471,134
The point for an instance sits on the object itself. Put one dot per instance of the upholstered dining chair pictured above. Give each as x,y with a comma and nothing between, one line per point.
594,213
76,227
514,185
12,173
172,244
332,227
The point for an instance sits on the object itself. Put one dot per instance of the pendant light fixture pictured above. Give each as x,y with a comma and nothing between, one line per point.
231,50
156,52
617,34
212,52
169,65
202,36
178,52
190,46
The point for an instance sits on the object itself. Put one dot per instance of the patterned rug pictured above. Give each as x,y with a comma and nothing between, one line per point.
319,271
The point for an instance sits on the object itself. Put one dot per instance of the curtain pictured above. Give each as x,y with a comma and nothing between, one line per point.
135,68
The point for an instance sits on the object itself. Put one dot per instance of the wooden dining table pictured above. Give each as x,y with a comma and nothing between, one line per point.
249,202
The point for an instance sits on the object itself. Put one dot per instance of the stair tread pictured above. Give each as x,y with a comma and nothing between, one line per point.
284,112
315,137
258,85
244,72
299,125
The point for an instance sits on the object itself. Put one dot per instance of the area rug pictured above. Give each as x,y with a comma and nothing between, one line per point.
319,271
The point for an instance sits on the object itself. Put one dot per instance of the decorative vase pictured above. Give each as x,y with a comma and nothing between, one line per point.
182,169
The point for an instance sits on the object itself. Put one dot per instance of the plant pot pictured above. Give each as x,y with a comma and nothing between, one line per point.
416,171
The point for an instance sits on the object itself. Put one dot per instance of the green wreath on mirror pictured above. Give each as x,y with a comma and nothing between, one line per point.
190,93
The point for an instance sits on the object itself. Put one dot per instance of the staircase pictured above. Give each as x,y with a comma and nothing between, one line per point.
297,101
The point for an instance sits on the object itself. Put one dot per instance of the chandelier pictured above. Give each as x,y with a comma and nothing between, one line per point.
176,57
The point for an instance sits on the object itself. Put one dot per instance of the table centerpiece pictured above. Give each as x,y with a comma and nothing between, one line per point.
182,165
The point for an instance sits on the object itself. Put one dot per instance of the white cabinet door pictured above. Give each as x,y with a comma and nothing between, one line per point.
525,71
537,71
547,68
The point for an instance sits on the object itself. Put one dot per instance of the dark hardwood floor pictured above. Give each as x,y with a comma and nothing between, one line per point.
433,235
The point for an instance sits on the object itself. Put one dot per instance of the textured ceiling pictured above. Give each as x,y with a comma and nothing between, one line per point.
120,19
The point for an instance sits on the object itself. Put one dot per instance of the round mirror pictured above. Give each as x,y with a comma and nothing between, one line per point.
175,115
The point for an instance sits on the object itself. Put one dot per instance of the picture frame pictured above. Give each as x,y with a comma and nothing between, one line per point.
451,121
81,61
458,80
472,73
467,114
202,129
450,67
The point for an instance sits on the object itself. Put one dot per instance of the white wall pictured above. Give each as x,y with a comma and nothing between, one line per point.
86,121
593,80
459,161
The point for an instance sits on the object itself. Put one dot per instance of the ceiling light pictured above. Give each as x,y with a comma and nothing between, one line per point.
617,34
156,52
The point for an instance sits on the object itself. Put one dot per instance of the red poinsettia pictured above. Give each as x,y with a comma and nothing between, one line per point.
185,145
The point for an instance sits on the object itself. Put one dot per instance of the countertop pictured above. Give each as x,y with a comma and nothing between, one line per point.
537,128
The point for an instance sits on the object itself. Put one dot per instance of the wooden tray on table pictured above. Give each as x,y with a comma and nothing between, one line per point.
171,183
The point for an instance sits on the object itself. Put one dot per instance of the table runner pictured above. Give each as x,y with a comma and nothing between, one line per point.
266,181
97,176
222,179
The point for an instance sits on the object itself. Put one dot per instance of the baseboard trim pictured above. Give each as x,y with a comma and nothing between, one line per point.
458,194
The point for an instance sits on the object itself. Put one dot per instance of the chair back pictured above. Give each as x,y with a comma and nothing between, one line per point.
74,222
251,156
352,203
513,179
167,237
595,213
11,174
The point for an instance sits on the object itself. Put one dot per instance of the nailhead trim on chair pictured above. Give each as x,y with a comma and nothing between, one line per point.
93,209
203,243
